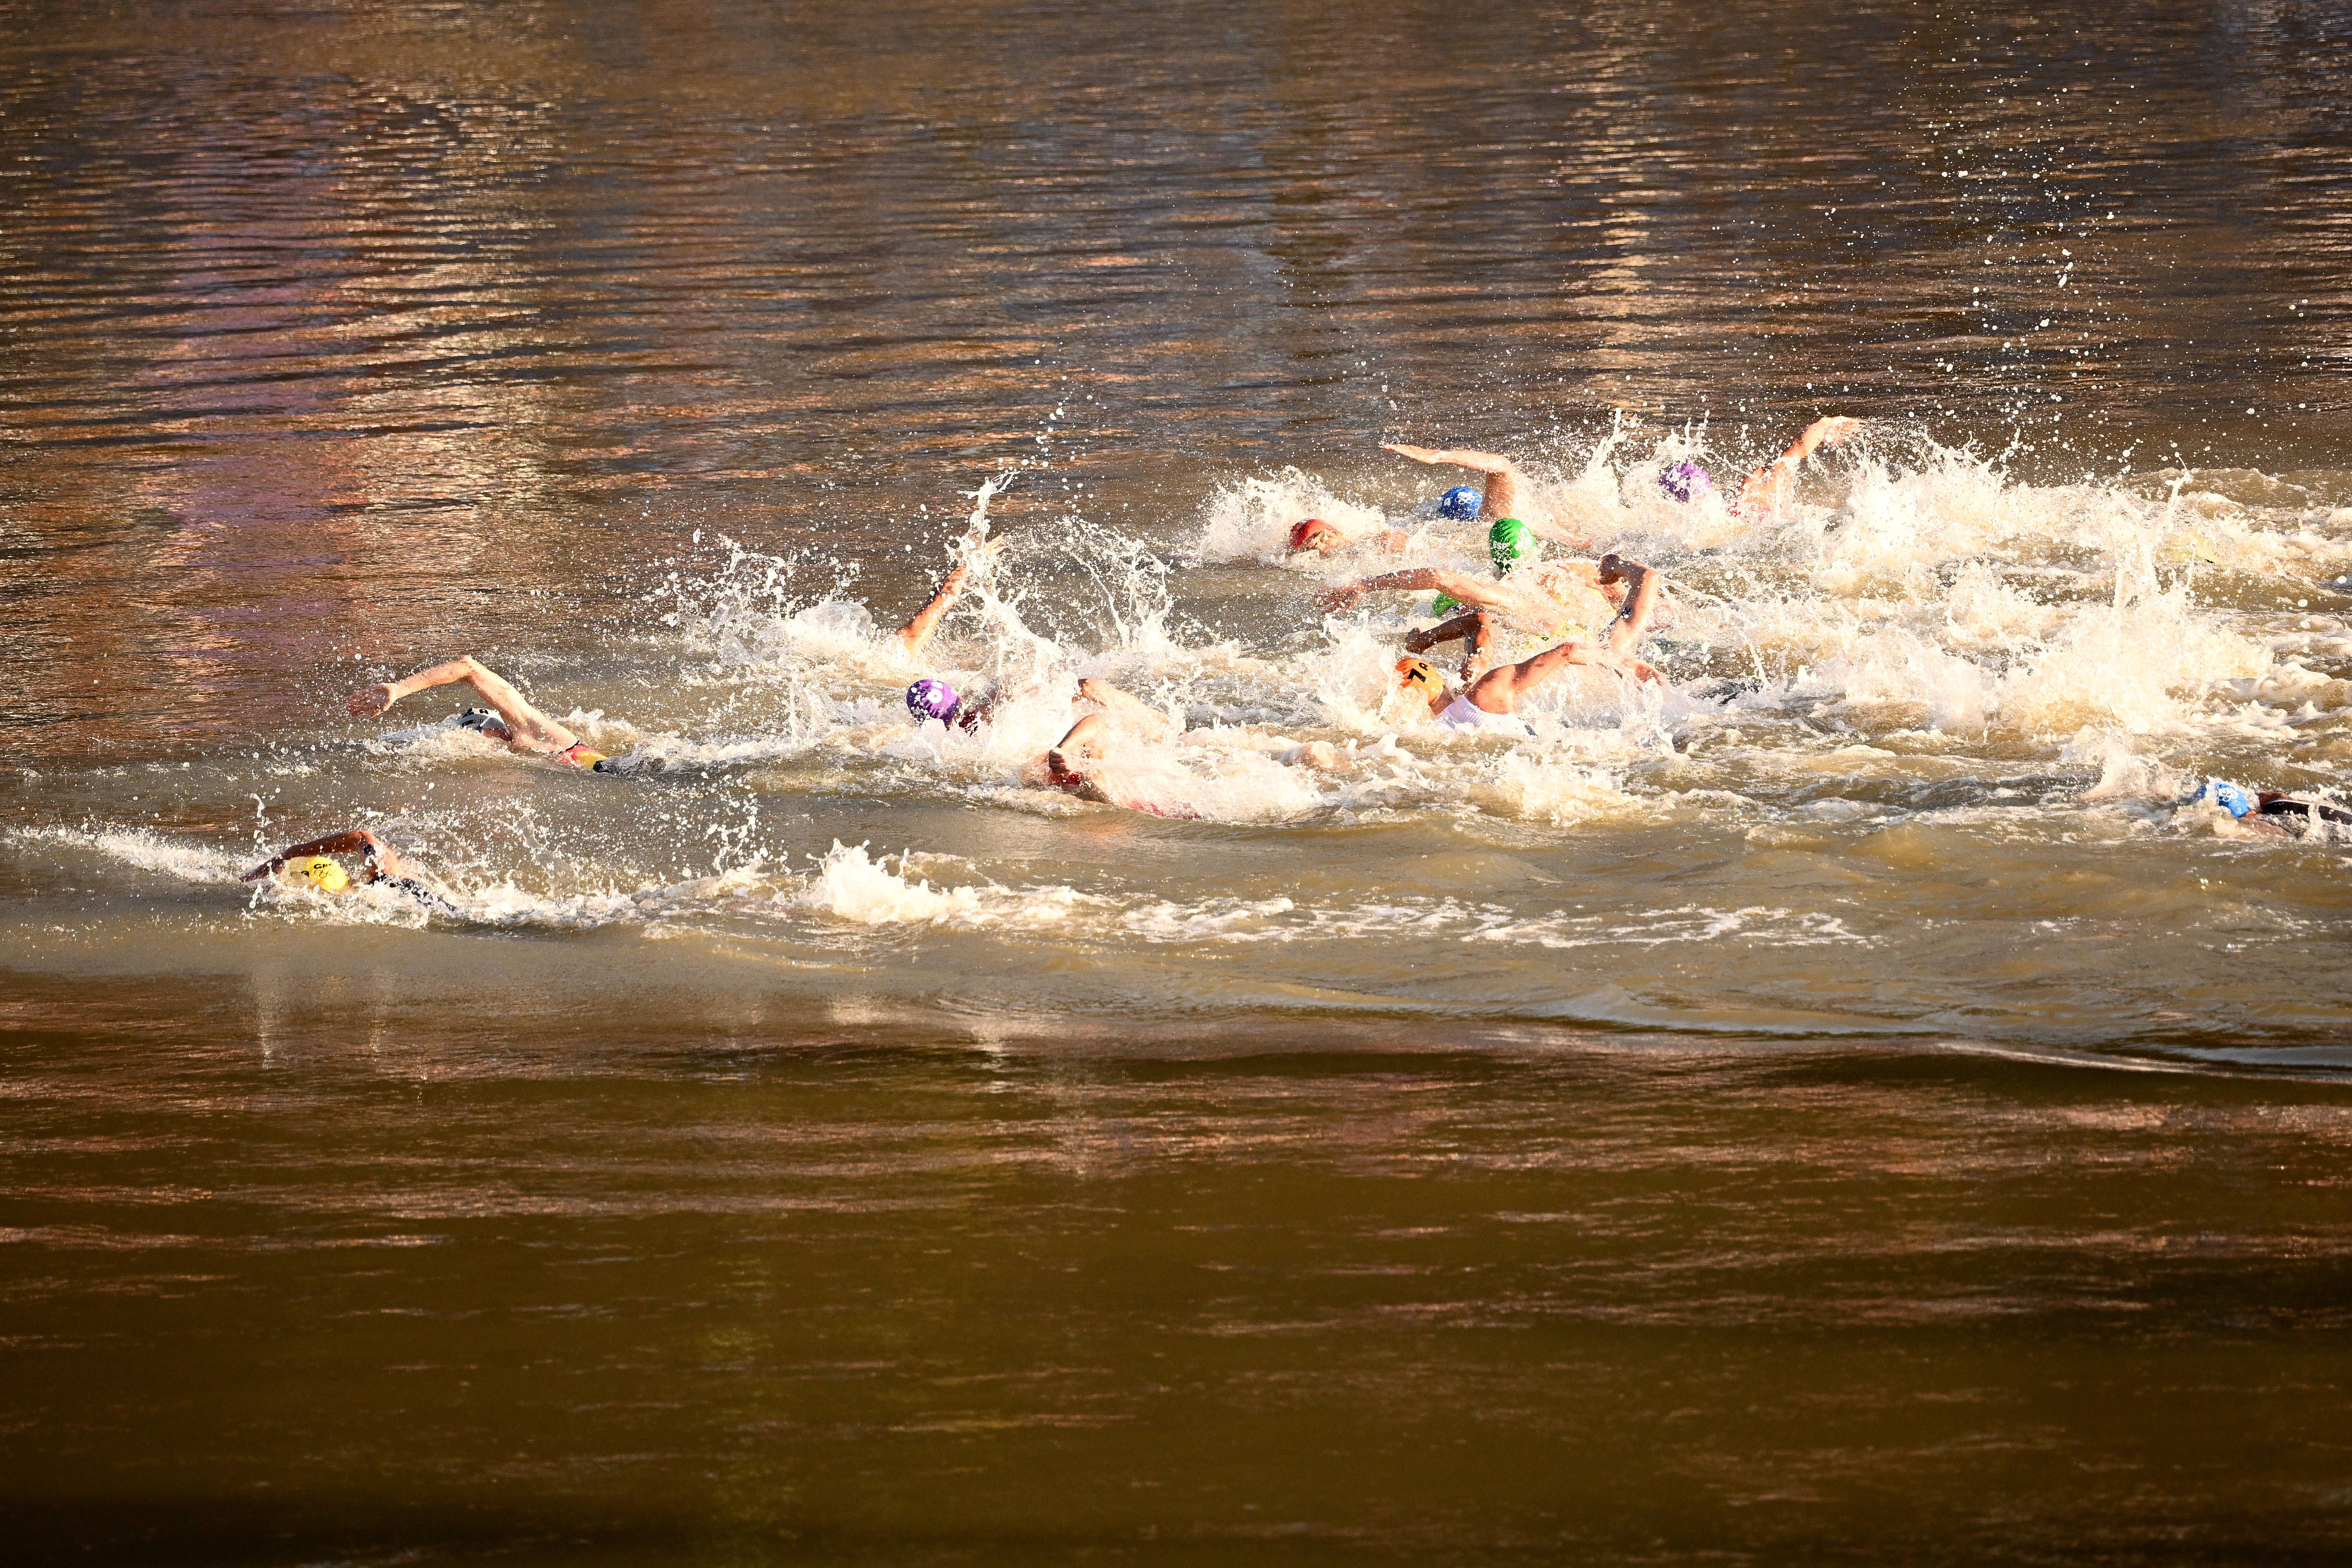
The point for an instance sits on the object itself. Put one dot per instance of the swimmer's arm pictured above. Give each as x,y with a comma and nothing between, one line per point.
1113,700
1079,741
525,724
925,621
382,860
1501,496
1528,673
1095,690
1769,486
1468,590
918,631
1488,463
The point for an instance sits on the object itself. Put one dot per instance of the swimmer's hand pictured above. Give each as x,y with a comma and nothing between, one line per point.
1826,432
975,548
370,700
1332,601
1418,454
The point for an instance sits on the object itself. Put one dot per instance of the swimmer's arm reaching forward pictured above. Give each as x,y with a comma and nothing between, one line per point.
1501,495
527,729
1477,591
382,861
1773,483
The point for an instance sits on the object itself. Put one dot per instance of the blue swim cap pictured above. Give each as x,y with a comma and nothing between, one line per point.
1460,503
2229,797
929,699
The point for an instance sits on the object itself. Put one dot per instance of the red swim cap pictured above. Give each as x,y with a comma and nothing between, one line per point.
1304,534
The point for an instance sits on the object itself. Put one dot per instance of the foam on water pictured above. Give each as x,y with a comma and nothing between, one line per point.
849,885
1928,595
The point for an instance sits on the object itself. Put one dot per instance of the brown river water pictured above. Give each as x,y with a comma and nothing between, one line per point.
1846,1105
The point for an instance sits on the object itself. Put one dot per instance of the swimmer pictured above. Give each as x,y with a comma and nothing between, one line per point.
379,866
1491,701
2270,811
931,698
1773,485
514,720
1543,598
1505,495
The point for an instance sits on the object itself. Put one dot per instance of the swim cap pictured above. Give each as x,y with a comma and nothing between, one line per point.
1303,535
929,699
321,873
2229,797
478,719
1445,603
1460,503
1419,672
1687,482
1509,541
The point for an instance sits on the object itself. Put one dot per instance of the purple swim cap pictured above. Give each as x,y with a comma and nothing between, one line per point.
1687,482
929,699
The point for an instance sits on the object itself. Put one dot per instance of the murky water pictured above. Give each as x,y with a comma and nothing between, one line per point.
1841,1104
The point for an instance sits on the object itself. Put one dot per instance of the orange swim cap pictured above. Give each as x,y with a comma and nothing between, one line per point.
1419,673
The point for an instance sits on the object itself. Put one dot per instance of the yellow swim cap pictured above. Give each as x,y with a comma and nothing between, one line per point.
322,873
1419,673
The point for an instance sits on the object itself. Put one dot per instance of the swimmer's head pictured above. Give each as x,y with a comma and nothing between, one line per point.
482,721
1509,543
2232,798
929,699
1419,675
1460,503
1314,533
320,873
1686,482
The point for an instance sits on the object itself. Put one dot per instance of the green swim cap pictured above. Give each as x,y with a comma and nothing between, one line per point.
1507,542
1443,603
